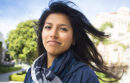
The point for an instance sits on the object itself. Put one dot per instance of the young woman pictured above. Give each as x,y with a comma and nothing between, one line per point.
66,53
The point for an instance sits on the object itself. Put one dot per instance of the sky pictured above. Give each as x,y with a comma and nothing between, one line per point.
12,12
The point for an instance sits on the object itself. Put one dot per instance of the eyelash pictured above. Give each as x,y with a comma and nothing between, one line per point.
64,29
47,27
61,28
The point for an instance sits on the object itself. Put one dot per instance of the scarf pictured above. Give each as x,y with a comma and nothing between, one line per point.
55,74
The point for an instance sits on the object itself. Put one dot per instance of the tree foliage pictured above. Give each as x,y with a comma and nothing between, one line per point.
22,42
0,47
128,29
0,51
103,27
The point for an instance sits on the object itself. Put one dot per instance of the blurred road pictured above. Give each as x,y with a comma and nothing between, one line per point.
4,78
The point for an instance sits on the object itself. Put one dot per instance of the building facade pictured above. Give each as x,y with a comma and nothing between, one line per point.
119,50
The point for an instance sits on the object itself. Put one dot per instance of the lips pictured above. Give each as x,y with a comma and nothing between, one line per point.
52,42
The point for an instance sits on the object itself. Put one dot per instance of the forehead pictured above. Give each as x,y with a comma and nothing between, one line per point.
57,18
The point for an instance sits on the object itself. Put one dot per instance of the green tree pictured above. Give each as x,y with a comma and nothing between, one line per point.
0,46
22,42
103,27
128,28
0,51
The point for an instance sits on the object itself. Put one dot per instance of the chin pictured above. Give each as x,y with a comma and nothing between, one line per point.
53,52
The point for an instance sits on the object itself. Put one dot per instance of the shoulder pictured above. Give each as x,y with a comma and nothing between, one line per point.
84,73
83,68
28,72
86,70
28,78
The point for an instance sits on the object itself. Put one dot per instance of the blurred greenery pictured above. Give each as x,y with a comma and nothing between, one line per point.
128,30
104,77
0,49
22,42
17,77
103,27
9,69
0,44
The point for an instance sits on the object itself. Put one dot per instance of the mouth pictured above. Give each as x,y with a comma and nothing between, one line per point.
52,42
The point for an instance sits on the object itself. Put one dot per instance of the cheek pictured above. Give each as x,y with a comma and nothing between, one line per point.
44,36
68,39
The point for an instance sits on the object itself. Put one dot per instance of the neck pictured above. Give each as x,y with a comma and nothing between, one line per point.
50,59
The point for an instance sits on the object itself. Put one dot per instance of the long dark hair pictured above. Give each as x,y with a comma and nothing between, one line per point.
84,47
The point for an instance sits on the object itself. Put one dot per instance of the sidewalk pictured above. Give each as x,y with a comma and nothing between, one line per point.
4,78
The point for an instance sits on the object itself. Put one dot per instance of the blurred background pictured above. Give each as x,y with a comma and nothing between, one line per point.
18,34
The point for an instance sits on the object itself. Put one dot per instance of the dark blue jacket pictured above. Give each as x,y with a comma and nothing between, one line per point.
79,73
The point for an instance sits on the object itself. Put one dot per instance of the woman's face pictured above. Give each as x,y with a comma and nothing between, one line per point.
57,34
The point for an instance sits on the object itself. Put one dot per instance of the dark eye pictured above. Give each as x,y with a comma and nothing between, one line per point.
63,29
47,27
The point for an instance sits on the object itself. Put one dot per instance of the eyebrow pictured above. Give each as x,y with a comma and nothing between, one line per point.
47,23
60,24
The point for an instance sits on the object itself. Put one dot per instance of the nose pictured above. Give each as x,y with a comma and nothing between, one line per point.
54,33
